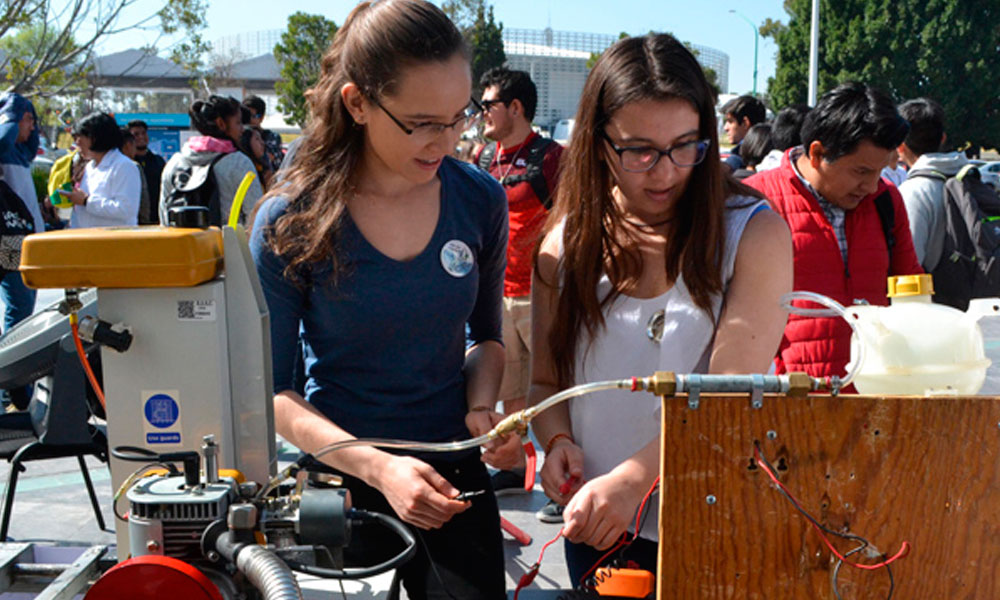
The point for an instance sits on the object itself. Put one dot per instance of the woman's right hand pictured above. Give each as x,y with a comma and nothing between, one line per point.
418,493
564,463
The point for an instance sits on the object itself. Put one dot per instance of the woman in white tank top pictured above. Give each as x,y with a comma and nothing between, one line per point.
645,223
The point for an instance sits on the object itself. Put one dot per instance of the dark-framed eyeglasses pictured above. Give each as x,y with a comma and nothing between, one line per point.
469,119
488,104
639,159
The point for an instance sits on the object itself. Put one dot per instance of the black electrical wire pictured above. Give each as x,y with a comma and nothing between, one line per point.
364,572
846,536
589,584
430,560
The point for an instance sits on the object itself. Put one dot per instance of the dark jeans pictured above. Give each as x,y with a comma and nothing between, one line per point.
19,300
467,553
581,557
19,303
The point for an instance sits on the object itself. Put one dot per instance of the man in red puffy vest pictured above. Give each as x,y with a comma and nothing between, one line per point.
849,226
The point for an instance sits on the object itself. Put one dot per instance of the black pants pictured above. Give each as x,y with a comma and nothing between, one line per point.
461,560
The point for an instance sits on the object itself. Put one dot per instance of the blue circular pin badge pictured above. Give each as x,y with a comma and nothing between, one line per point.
457,258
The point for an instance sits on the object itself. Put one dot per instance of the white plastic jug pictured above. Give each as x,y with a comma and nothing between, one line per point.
915,347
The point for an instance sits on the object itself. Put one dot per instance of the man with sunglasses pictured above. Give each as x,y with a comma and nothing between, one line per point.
527,166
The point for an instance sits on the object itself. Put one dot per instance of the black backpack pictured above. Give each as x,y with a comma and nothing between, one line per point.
16,222
969,266
194,185
533,173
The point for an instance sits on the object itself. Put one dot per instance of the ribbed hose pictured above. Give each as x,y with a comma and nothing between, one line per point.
268,573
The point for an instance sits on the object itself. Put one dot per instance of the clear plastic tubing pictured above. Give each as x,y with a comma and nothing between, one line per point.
456,446
475,442
833,309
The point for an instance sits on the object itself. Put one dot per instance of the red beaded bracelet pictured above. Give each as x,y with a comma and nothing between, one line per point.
555,438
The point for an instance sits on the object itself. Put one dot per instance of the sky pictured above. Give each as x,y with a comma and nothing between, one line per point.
709,23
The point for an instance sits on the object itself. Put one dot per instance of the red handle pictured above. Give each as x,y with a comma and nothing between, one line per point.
531,461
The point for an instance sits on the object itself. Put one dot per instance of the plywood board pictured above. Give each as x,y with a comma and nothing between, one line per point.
924,470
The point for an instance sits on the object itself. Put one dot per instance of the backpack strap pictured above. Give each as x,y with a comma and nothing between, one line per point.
887,217
486,155
210,194
928,173
967,170
534,173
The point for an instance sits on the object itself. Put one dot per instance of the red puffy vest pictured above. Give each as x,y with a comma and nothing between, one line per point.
822,346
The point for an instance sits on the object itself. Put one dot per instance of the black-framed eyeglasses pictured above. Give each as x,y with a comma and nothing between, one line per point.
488,104
469,119
639,159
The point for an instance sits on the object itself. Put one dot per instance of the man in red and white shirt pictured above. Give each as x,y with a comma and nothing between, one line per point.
527,166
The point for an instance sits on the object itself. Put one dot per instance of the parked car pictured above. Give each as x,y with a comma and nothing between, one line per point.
990,172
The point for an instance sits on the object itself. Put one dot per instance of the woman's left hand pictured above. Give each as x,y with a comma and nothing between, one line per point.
504,453
601,511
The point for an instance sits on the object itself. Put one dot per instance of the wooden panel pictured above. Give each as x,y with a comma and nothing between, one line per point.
924,470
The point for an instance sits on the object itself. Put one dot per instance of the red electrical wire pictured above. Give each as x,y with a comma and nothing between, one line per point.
903,550
624,540
528,577
74,326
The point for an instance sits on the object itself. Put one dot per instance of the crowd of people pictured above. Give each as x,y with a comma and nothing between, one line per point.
418,296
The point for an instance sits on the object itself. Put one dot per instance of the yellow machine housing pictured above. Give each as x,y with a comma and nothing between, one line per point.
122,257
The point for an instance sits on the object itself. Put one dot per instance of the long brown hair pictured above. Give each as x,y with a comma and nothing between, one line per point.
376,41
652,67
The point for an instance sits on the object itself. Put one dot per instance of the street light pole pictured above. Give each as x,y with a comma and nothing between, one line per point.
814,54
756,38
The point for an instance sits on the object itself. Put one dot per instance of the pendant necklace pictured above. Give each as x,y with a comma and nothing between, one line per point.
503,177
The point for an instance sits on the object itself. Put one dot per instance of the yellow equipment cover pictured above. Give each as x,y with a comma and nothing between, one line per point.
121,257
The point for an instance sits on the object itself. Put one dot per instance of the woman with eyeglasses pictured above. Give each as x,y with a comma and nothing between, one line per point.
653,260
374,251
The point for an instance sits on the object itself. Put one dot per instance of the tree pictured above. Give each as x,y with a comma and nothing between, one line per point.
596,55
481,32
485,38
221,68
948,50
43,56
300,56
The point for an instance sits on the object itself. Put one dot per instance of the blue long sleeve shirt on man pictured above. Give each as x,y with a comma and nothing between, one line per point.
384,348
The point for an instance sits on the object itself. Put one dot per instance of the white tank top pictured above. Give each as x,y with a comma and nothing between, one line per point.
613,425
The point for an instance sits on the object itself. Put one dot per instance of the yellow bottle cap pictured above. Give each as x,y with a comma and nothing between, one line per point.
902,286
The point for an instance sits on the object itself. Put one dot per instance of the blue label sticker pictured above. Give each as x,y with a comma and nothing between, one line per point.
161,411
163,438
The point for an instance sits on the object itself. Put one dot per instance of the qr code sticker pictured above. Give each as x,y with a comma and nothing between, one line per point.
196,310
185,309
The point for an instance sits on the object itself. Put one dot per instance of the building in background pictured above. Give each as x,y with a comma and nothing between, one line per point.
249,44
557,63
244,64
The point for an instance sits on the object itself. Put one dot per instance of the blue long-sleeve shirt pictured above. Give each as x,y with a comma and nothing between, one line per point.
384,350
15,158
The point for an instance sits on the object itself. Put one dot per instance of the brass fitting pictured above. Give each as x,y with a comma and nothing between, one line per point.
513,423
799,384
662,383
